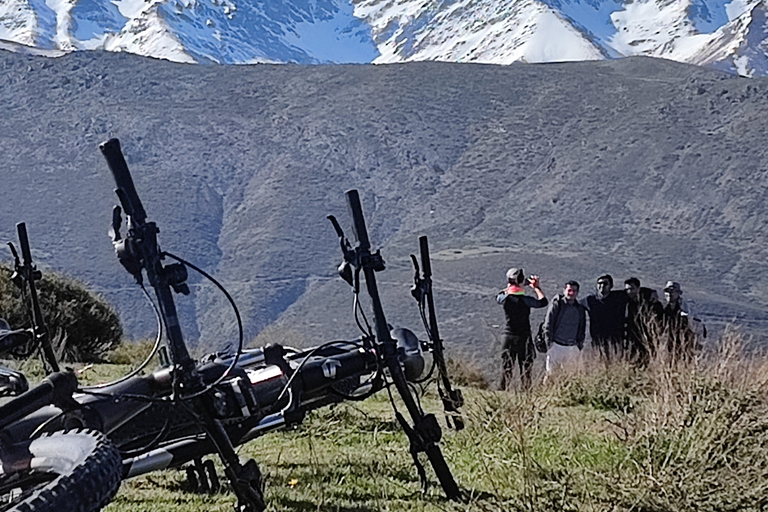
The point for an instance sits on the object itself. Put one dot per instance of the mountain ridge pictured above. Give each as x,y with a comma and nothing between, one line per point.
730,36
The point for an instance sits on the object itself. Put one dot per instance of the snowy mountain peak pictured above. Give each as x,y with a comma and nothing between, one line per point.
728,35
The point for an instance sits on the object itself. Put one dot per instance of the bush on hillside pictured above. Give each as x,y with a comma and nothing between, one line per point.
83,326
466,373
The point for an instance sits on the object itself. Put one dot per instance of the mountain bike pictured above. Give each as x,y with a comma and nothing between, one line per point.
186,409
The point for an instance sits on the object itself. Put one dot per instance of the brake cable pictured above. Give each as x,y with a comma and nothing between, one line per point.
312,352
240,343
144,364
87,390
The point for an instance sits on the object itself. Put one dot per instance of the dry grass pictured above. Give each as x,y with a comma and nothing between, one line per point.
668,437
679,435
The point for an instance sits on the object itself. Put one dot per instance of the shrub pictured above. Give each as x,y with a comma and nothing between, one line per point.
466,373
83,326
133,353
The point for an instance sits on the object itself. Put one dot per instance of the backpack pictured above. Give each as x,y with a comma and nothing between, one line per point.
540,340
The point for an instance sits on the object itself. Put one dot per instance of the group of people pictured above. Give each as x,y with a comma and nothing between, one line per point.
627,324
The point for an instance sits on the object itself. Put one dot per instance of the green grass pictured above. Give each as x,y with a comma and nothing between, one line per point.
614,438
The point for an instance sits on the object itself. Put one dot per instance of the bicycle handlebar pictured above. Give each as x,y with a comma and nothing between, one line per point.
30,274
425,432
358,222
129,197
26,254
426,266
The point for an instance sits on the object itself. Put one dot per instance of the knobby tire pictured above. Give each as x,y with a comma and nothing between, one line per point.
73,471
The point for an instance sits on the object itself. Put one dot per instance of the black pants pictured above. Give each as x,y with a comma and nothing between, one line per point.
610,347
520,348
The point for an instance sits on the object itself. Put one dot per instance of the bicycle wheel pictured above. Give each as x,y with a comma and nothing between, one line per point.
76,471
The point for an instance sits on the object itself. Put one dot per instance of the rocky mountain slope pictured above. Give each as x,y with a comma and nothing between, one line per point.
637,167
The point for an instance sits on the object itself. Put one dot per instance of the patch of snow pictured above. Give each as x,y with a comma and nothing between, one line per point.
18,22
96,43
659,29
741,63
724,45
11,46
472,31
737,8
341,38
63,37
556,40
147,34
133,8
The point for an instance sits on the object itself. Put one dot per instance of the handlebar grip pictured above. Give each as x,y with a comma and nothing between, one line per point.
116,162
26,254
426,266
358,221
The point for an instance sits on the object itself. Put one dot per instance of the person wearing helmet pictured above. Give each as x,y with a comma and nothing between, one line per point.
518,344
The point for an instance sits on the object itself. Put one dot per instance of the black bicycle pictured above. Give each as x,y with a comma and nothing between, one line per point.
187,409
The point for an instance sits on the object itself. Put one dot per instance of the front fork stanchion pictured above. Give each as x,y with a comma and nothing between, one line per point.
245,478
452,398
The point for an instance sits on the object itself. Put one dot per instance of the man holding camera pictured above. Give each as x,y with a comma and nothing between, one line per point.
518,344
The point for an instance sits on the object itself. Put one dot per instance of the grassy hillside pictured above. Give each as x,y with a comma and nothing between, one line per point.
593,438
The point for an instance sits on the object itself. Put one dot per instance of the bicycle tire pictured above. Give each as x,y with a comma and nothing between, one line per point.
77,471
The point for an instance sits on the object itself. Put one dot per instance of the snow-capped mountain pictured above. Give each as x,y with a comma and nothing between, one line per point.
730,35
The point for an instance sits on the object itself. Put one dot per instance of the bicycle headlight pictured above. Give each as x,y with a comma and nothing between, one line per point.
409,352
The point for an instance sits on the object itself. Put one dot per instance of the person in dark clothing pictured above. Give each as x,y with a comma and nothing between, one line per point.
606,309
644,317
518,344
565,326
682,341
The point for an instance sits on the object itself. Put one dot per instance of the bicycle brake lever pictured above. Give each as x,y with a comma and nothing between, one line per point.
336,226
417,290
346,248
14,253
415,267
117,220
16,277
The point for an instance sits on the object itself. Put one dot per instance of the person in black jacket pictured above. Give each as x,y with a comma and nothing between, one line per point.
518,344
606,308
679,323
644,319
